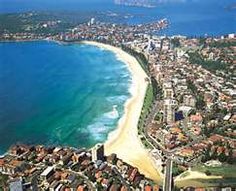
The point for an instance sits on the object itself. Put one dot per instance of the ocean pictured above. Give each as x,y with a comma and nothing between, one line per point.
71,94
59,94
186,17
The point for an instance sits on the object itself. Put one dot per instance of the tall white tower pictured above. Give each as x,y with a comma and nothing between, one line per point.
98,152
92,21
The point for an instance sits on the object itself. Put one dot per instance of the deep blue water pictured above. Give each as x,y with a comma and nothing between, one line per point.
59,94
187,17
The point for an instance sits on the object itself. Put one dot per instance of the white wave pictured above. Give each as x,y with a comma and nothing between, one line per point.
117,99
102,125
114,114
101,48
125,75
119,59
97,130
132,88
107,77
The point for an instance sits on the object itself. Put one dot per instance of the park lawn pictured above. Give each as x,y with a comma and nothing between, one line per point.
192,183
206,183
228,172
148,101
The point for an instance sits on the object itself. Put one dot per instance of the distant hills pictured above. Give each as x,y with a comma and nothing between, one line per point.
232,6
146,3
138,3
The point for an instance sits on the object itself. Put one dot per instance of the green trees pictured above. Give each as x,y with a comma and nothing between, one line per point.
156,88
202,41
208,173
3,181
196,58
222,44
176,170
223,157
148,101
139,56
175,42
206,154
200,104
191,86
231,159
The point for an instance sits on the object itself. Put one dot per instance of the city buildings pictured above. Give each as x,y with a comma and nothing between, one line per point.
169,108
98,152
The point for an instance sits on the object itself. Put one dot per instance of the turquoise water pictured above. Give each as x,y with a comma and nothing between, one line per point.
59,94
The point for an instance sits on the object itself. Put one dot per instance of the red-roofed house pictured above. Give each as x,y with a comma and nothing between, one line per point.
196,118
148,188
81,188
215,138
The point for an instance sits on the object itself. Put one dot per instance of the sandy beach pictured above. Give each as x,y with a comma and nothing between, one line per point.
124,141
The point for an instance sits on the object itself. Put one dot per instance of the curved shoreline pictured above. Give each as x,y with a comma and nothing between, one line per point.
124,140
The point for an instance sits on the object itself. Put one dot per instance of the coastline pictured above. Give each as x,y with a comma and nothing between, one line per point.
124,140
21,40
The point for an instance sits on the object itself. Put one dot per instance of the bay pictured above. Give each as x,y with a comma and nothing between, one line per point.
59,94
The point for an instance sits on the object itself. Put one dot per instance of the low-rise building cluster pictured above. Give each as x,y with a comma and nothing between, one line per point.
68,169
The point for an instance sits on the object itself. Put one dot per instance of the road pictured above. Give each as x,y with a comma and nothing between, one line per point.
168,175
